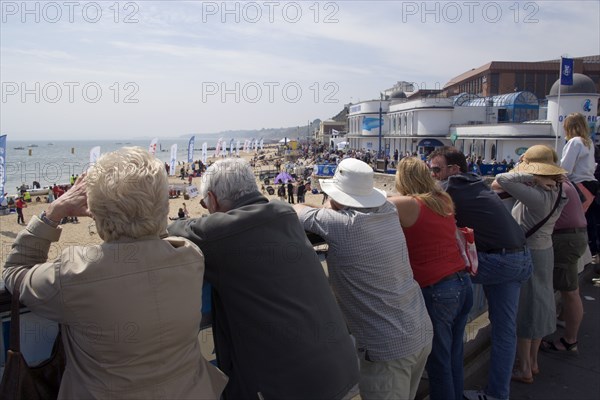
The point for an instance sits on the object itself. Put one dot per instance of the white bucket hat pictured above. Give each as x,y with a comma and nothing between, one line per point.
352,185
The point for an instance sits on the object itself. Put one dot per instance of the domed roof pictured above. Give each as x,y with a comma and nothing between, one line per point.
581,84
398,95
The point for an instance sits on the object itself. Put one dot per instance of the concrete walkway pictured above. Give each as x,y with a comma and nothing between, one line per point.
562,376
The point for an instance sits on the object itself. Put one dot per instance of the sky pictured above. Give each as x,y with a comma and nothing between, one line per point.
133,69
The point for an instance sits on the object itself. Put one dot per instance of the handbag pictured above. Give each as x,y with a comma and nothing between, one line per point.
465,238
21,381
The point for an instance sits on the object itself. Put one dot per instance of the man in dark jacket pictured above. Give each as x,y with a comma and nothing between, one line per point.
504,260
278,331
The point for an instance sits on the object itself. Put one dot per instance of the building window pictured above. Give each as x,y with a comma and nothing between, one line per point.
519,81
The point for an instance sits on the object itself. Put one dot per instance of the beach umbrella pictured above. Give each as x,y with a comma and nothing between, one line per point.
283,177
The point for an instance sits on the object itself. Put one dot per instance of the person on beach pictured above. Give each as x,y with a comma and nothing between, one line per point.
426,214
186,213
370,273
278,332
180,215
129,308
535,185
290,192
281,192
504,260
20,204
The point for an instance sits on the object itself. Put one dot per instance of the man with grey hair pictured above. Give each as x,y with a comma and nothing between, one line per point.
278,331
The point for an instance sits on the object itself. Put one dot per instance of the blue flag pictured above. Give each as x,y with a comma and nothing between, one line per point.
2,165
566,71
191,150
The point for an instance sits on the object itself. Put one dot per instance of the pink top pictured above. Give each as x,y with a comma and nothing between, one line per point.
572,215
432,247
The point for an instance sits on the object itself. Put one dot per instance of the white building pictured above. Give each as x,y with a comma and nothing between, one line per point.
495,128
364,122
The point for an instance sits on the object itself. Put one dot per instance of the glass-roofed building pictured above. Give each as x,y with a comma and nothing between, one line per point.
512,107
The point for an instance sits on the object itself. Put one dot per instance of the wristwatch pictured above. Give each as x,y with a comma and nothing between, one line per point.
48,221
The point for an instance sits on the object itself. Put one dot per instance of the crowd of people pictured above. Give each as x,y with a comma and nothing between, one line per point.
395,302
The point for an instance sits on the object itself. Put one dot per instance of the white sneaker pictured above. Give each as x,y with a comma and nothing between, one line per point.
477,395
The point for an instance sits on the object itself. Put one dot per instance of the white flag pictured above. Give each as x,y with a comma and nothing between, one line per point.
204,152
94,155
152,148
237,148
262,142
218,148
173,158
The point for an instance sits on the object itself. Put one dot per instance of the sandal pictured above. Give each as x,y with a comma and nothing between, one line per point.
548,345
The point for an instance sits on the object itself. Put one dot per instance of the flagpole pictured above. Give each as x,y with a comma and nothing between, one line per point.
558,105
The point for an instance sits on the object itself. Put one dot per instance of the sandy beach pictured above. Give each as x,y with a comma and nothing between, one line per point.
84,232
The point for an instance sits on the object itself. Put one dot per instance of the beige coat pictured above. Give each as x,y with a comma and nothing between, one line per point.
130,312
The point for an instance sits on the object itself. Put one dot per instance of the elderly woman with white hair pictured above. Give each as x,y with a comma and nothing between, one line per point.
129,308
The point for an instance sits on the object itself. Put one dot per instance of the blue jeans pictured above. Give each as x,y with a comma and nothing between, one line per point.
501,276
448,304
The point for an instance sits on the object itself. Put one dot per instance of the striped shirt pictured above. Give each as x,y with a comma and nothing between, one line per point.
370,273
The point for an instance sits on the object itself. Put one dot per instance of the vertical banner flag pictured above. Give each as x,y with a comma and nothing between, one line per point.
152,148
191,150
231,147
94,155
173,158
254,143
566,71
2,166
237,148
204,152
245,145
262,142
218,148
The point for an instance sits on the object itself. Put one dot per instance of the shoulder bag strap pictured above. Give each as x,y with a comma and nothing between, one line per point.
15,322
542,222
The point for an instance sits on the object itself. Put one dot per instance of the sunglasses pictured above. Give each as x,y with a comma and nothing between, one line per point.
437,170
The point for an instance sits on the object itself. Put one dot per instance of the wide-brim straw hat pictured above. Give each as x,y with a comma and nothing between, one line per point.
352,185
539,160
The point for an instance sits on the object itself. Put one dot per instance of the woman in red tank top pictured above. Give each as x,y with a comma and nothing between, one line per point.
426,214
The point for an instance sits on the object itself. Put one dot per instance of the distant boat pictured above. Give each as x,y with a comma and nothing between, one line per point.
19,148
50,144
32,145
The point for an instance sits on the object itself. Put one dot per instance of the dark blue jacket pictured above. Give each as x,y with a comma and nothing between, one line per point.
480,208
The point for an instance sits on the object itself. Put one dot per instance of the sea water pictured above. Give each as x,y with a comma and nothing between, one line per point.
53,161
